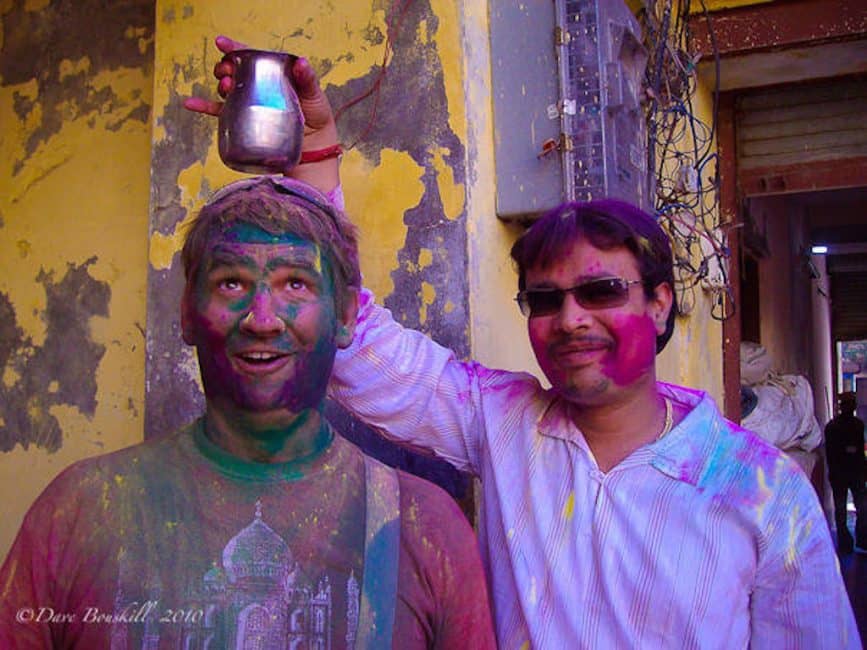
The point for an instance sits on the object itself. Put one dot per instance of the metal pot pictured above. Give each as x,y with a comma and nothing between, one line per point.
261,125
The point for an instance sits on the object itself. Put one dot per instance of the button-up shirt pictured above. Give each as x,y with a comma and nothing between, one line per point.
706,538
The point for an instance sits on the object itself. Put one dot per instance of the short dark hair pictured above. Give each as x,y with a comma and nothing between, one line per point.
848,401
278,205
607,224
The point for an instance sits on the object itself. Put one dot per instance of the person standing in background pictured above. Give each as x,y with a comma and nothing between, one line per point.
847,472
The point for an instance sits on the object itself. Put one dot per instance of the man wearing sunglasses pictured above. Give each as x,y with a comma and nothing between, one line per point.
617,511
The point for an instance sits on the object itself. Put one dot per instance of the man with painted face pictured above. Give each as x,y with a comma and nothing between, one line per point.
257,525
617,511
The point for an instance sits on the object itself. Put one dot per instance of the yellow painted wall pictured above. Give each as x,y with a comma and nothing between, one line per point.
498,330
717,5
377,192
83,193
73,214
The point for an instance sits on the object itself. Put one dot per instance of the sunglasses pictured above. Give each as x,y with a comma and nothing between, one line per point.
602,293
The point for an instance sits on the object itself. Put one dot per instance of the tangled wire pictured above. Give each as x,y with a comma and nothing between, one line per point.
683,157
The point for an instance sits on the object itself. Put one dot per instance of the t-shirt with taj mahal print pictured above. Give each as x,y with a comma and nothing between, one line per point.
173,543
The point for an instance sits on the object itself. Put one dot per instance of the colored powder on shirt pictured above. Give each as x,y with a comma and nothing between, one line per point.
569,508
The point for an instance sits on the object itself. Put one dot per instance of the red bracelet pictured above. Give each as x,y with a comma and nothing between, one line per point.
321,154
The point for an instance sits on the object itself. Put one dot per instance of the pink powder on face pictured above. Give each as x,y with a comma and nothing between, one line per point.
634,349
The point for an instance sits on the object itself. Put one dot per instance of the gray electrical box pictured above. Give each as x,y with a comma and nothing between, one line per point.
568,123
525,83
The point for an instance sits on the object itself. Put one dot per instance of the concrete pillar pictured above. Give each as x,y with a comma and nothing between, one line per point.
823,348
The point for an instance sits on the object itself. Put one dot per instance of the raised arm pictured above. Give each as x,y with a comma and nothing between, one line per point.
395,379
417,393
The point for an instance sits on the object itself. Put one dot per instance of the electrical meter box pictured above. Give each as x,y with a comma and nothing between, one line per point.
567,82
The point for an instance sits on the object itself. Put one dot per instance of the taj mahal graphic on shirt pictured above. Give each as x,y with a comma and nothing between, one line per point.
257,598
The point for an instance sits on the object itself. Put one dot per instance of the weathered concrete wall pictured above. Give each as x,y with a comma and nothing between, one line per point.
420,183
74,106
75,98
498,330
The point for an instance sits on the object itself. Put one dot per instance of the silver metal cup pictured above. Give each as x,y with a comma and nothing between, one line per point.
261,125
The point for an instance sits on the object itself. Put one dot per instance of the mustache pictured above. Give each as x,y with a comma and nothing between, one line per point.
579,342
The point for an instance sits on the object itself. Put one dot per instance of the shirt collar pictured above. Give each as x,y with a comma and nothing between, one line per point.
253,472
680,454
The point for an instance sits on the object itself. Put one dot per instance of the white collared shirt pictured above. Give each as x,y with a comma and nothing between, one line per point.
707,538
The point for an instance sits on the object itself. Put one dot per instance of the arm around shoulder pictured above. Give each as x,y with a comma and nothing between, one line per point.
414,390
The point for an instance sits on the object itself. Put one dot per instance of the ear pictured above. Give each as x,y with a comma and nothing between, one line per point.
659,306
187,316
346,320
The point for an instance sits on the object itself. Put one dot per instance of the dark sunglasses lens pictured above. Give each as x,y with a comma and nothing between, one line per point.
600,294
544,302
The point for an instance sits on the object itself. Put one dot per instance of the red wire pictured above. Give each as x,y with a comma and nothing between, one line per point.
393,30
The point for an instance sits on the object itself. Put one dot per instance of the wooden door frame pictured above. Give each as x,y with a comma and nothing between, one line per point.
731,218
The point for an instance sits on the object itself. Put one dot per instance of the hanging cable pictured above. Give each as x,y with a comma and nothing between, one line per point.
683,160
393,22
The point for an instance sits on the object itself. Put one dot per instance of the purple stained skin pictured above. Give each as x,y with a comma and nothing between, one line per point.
262,318
594,356
634,348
